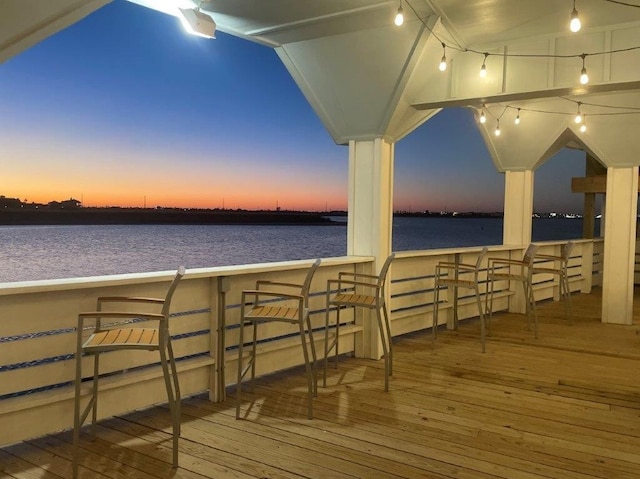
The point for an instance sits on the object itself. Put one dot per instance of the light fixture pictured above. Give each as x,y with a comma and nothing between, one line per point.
443,61
483,68
578,118
483,117
497,132
198,23
517,120
399,20
583,127
584,78
575,23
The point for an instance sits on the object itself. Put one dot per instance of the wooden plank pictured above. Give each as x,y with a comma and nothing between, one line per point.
200,458
15,467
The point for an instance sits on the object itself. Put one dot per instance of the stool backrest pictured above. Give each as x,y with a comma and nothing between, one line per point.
307,281
565,250
530,254
172,287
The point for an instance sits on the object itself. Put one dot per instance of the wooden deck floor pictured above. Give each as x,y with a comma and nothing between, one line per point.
565,406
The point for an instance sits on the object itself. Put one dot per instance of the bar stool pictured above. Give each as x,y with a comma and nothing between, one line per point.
121,336
502,269
262,310
346,296
559,268
458,275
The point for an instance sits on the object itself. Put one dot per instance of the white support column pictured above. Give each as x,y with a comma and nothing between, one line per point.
518,212
370,217
619,245
518,207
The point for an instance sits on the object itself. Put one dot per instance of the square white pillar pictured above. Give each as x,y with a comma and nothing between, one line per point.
370,219
370,199
518,207
619,245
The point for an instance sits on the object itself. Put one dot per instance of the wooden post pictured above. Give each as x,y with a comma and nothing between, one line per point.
592,168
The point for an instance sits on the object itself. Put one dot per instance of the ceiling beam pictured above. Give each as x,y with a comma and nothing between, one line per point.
530,95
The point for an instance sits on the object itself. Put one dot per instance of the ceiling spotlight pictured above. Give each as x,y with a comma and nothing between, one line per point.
443,62
399,20
197,23
483,68
584,78
575,23
517,120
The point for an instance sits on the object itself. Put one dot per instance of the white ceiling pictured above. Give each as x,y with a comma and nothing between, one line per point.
367,78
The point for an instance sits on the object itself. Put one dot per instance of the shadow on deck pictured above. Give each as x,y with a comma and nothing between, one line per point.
564,406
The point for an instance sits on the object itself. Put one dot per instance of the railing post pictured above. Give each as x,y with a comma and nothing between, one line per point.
452,319
586,268
364,340
217,316
518,300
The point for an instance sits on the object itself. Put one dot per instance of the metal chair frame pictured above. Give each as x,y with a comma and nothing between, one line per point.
344,297
113,337
260,313
451,275
524,276
560,268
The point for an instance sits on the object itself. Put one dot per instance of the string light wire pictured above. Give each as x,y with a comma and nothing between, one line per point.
584,78
623,3
582,56
617,111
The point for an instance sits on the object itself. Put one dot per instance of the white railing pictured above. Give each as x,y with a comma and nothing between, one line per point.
412,282
38,320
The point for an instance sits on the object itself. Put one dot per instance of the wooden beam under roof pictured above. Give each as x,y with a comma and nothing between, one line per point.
590,184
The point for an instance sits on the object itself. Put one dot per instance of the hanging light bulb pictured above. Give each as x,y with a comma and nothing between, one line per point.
575,23
399,20
584,77
483,68
443,62
483,117
497,132
583,127
578,118
517,120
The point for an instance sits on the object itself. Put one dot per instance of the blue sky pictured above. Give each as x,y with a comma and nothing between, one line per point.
125,109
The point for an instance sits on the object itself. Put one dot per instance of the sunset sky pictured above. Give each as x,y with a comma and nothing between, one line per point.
125,109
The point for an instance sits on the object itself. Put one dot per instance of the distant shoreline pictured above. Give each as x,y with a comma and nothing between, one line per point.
141,216
178,216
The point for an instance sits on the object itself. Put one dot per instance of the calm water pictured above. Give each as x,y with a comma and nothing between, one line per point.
48,252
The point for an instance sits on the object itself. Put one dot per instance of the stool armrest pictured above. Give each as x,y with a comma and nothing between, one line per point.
129,299
507,261
272,294
549,256
117,315
357,275
276,283
341,282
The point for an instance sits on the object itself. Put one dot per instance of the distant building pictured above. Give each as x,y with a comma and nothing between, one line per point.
71,203
9,202
64,205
